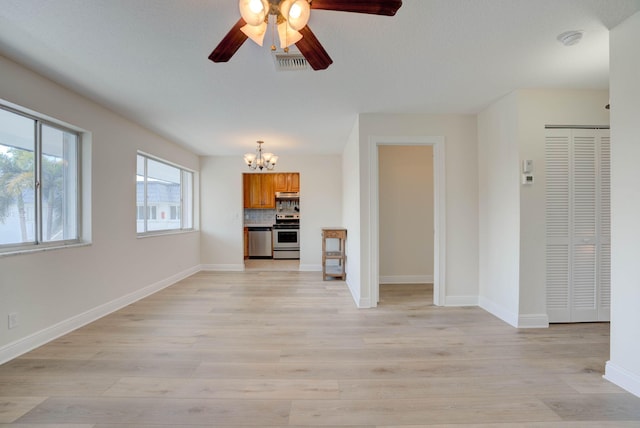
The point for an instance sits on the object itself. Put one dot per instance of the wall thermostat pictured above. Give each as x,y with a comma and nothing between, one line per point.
527,178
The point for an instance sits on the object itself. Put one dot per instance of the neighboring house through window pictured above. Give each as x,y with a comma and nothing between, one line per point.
164,194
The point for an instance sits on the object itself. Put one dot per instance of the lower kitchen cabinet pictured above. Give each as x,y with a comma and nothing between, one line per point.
246,242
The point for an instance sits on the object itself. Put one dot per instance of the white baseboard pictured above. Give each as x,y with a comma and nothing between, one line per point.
533,321
498,311
310,268
364,303
623,378
28,343
406,279
223,267
355,294
461,301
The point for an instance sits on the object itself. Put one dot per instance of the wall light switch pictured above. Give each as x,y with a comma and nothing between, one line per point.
527,166
13,320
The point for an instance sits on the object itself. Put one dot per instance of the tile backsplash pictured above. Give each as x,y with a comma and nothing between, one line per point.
259,216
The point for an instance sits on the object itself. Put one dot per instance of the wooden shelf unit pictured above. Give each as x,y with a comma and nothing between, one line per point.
334,270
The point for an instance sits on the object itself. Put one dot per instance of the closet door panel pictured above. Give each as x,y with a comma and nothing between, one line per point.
577,225
584,200
557,225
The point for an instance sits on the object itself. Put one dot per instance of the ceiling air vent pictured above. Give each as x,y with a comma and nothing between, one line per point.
290,62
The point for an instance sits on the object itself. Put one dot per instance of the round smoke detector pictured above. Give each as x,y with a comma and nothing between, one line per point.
570,38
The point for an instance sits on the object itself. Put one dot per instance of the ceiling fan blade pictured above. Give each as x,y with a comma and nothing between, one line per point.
375,7
310,47
230,43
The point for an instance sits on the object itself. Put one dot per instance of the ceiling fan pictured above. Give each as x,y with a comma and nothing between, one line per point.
291,17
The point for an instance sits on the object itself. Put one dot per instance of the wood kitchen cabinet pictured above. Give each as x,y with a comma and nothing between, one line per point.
259,191
286,182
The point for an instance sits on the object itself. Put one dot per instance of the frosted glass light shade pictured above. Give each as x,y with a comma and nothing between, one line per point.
255,32
249,158
296,12
254,11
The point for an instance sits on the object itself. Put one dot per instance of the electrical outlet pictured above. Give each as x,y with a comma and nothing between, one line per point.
13,320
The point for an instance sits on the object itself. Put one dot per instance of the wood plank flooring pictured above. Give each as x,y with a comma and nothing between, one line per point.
286,349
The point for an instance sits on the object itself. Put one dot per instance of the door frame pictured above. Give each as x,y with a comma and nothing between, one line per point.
439,208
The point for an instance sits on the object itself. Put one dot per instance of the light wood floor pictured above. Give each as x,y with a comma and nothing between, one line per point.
276,349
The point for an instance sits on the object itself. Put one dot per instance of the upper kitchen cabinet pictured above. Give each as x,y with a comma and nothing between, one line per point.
259,191
287,182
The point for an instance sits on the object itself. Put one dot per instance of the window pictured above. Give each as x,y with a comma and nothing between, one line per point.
175,212
164,194
39,182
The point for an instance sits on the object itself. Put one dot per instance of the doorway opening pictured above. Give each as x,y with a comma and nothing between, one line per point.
436,226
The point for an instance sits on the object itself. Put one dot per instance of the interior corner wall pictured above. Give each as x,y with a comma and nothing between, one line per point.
406,214
56,291
222,207
461,170
536,109
623,368
499,209
512,215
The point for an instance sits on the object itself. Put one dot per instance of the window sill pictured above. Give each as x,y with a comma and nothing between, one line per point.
39,249
165,233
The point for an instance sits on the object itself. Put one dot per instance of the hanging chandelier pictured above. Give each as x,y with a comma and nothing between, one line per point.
259,160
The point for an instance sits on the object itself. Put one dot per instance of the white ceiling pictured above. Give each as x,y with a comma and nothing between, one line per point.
147,59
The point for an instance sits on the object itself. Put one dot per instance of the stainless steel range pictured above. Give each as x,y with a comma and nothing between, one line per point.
286,236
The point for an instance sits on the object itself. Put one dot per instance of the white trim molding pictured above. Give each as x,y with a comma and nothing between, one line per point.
310,268
622,377
533,321
461,301
223,267
28,343
498,311
355,293
406,279
439,214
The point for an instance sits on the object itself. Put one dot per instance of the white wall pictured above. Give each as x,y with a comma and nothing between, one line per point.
406,213
623,367
460,134
351,211
222,220
54,291
512,215
499,209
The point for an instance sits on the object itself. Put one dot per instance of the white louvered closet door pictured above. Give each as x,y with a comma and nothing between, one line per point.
577,219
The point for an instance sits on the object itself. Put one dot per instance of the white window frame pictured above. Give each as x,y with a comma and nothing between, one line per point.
39,244
186,207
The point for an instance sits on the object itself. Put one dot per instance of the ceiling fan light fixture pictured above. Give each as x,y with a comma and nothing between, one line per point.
288,36
296,12
254,12
255,32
